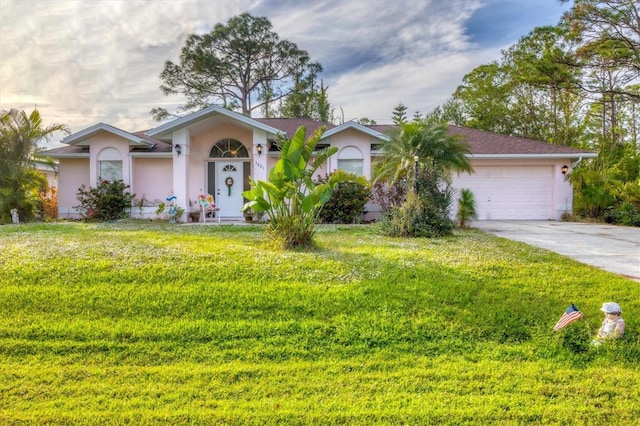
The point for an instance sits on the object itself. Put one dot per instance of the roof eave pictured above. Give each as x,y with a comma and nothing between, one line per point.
151,154
70,155
166,129
569,155
82,135
355,126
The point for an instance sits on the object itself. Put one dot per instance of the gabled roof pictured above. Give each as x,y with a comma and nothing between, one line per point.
288,126
483,144
151,146
79,138
165,130
355,126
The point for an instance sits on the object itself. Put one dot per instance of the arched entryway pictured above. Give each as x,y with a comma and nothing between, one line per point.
228,171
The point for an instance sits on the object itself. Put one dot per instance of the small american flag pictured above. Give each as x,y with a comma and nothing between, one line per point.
572,314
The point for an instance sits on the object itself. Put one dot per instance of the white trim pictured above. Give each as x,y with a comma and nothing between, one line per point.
151,154
356,126
78,137
168,128
531,156
568,155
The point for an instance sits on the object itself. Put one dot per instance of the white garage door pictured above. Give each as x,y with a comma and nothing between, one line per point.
510,192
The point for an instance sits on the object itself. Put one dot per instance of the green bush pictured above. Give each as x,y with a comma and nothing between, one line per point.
347,202
108,201
417,217
466,208
290,198
623,214
389,196
422,215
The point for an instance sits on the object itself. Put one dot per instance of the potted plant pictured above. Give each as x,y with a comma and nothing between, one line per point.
248,215
194,212
194,215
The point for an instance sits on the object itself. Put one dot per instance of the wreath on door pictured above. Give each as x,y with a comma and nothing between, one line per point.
229,182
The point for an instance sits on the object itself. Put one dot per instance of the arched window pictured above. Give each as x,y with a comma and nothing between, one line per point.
109,165
229,148
350,159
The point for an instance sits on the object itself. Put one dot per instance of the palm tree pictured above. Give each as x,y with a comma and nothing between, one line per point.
466,208
437,152
19,137
425,153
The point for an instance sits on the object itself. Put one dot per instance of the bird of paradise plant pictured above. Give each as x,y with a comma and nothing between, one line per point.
290,198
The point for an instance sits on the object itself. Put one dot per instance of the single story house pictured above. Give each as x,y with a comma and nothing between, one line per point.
216,150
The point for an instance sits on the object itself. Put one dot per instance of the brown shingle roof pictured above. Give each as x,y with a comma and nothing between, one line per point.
486,143
66,150
482,142
158,145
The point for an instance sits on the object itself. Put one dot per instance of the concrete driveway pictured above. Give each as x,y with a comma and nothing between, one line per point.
612,248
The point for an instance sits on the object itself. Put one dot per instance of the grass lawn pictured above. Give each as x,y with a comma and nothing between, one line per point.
147,323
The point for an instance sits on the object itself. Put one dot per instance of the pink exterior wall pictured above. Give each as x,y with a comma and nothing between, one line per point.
109,140
152,179
351,137
73,173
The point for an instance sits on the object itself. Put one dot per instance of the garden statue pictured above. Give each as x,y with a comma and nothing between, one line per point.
15,219
612,326
171,208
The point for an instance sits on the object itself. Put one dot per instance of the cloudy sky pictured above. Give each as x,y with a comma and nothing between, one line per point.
81,62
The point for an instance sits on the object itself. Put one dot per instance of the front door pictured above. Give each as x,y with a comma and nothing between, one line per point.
228,188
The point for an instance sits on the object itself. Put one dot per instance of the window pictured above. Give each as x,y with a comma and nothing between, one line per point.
350,160
229,148
110,170
109,165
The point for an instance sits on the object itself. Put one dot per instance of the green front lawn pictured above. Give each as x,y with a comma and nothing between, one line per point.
145,323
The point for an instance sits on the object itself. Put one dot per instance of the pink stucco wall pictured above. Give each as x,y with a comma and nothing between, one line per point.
105,140
351,138
152,179
73,173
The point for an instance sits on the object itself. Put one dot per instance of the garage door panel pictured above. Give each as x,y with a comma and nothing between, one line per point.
510,192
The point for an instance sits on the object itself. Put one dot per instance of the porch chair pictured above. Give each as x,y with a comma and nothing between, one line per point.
208,207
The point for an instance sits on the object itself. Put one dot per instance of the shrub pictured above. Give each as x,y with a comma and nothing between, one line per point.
49,203
624,214
108,201
346,204
424,213
290,198
389,196
418,217
466,208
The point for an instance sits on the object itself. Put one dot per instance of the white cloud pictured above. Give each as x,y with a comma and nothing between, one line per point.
83,62
419,83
